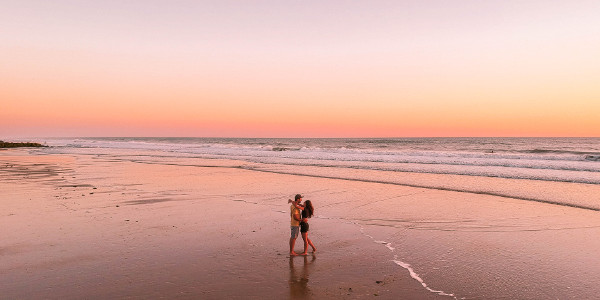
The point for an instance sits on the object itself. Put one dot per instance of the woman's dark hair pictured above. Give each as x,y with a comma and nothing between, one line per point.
308,208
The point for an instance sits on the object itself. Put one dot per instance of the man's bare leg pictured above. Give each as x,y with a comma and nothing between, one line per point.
292,243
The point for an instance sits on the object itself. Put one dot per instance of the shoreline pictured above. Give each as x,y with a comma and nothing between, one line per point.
573,194
570,194
82,226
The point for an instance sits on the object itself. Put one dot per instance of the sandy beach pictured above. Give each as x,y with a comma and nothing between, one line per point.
104,227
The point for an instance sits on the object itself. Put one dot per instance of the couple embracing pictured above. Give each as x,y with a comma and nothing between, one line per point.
300,214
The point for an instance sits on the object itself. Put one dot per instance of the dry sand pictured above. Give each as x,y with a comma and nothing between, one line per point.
90,227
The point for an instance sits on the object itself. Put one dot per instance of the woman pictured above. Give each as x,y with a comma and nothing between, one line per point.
307,212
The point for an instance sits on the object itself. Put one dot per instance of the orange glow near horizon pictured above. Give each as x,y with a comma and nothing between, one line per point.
282,70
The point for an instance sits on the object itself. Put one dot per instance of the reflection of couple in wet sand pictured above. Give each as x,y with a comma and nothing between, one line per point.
299,224
299,278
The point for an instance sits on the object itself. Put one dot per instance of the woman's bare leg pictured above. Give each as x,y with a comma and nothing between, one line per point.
306,241
310,243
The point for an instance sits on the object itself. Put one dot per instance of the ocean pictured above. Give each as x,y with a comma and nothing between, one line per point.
547,159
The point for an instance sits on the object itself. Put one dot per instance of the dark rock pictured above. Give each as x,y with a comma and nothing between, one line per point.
15,145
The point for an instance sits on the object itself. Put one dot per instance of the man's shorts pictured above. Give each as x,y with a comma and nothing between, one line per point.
295,231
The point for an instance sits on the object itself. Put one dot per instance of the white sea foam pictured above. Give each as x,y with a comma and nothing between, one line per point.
416,276
406,266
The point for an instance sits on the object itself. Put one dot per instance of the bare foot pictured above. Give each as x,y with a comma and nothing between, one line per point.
314,249
304,253
293,253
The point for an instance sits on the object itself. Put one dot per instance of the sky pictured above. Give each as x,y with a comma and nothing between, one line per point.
299,68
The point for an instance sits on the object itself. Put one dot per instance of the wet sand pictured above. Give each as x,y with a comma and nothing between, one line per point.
85,226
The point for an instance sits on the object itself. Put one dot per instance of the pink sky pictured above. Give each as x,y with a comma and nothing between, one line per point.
299,68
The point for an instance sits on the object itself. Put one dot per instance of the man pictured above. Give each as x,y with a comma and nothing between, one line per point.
295,222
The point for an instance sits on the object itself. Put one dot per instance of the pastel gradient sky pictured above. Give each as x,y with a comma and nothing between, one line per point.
299,68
